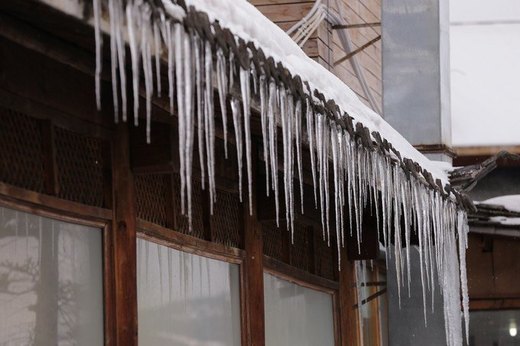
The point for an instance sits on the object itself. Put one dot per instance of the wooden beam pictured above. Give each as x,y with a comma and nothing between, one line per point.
356,51
355,26
486,150
349,324
254,267
494,304
124,239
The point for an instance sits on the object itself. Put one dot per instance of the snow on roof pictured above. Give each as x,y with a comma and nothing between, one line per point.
510,202
247,22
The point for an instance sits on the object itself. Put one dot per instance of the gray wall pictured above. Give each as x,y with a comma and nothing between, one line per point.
406,324
416,89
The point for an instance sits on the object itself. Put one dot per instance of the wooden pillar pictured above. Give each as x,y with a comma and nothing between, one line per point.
349,324
124,240
253,267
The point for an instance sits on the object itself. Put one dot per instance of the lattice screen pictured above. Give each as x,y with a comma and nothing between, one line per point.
272,237
301,247
226,222
152,198
80,165
21,156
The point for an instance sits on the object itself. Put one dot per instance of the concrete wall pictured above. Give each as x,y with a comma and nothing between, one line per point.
406,324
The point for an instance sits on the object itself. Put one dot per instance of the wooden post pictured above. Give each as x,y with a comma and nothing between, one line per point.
254,267
349,324
124,240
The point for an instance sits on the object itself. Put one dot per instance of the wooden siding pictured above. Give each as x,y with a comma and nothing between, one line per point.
324,45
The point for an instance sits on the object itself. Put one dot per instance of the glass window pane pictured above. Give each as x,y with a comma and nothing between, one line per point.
494,328
51,281
296,315
186,299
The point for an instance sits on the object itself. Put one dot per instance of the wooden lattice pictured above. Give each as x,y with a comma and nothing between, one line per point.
300,247
80,162
226,221
152,198
272,238
21,156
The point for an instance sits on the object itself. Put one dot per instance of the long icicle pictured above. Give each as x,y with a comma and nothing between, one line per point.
245,89
99,44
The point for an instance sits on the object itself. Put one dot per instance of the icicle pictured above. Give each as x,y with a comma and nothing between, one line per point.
180,79
311,134
462,231
113,56
169,35
222,85
285,120
246,99
271,115
118,13
146,52
99,43
158,50
190,124
337,178
133,23
199,81
237,124
209,123
264,123
298,139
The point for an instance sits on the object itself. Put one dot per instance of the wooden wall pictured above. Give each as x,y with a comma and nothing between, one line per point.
493,272
324,45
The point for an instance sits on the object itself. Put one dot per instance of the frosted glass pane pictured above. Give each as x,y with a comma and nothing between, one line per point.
51,282
185,299
295,315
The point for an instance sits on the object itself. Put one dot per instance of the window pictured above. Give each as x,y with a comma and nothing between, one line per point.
498,327
186,299
51,281
296,315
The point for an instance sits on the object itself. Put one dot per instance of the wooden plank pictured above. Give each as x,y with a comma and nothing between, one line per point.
349,329
124,239
298,276
254,267
187,243
38,204
285,12
494,304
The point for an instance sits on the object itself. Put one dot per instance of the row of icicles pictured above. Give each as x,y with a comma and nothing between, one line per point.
360,177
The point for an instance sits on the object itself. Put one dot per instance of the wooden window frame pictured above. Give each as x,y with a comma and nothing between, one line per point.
75,213
305,279
204,248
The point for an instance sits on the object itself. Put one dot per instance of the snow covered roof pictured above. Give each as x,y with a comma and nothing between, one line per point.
498,211
227,46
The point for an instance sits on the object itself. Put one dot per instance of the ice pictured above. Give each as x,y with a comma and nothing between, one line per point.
311,136
209,122
113,56
199,75
298,139
246,98
237,124
99,43
264,124
222,87
133,23
273,151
